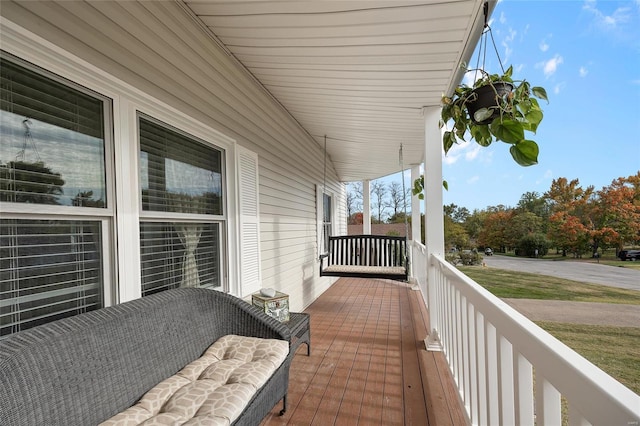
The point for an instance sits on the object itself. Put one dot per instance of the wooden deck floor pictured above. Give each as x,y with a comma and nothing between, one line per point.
368,364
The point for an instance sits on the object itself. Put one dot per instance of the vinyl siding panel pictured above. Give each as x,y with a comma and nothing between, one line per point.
159,49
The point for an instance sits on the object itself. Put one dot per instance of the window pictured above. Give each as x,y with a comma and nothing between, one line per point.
326,221
53,154
181,180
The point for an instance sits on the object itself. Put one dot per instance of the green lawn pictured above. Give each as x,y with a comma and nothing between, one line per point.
615,350
522,285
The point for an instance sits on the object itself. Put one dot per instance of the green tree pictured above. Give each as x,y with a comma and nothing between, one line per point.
474,222
521,224
533,245
454,234
397,218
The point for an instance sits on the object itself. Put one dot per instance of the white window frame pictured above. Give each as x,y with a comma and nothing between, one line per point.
127,101
105,217
320,192
173,217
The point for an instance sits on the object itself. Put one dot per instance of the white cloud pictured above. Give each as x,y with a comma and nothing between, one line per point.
506,43
583,71
503,18
608,22
471,154
450,158
551,66
544,45
558,88
468,151
473,179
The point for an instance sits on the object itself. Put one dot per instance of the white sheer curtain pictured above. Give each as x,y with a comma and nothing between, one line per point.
189,235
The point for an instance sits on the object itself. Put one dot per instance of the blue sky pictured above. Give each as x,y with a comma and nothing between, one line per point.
586,54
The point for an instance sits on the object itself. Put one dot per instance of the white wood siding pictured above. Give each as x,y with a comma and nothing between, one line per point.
155,47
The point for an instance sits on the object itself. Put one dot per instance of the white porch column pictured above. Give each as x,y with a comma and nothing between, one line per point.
366,207
415,207
434,221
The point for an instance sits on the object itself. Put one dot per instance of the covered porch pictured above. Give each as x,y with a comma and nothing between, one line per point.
301,97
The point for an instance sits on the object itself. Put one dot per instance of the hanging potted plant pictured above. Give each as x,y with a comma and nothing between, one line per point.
496,107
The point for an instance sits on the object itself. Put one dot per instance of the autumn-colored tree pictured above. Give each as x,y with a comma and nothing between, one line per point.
568,233
565,196
494,231
617,212
355,218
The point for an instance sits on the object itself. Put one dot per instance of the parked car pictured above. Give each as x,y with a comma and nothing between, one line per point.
488,251
629,255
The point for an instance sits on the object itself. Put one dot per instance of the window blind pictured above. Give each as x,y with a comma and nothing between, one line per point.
29,94
49,269
179,255
52,149
179,174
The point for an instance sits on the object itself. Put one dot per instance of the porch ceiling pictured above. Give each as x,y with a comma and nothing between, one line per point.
358,71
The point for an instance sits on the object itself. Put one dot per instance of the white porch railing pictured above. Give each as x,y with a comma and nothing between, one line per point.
507,369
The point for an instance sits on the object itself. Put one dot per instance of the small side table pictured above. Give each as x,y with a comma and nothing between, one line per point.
300,331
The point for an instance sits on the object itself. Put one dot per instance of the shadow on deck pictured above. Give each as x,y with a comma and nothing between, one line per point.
368,363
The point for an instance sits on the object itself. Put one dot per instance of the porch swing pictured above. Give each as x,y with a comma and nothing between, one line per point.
367,256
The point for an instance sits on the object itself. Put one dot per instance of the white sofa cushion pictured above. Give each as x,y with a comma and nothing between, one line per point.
212,390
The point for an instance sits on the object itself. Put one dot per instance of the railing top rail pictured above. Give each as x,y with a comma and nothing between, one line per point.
368,236
571,374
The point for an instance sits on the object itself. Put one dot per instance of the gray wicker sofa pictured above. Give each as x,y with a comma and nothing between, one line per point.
85,369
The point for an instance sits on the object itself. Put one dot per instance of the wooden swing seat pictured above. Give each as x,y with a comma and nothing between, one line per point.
366,256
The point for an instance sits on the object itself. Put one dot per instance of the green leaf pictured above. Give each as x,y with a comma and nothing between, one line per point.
522,91
418,186
525,153
448,139
540,93
445,185
446,113
509,71
481,134
533,117
525,106
482,114
507,130
459,130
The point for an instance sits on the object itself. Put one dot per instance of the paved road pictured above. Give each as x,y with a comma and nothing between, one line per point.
578,271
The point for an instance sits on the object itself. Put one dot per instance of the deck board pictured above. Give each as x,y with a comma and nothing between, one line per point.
368,364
